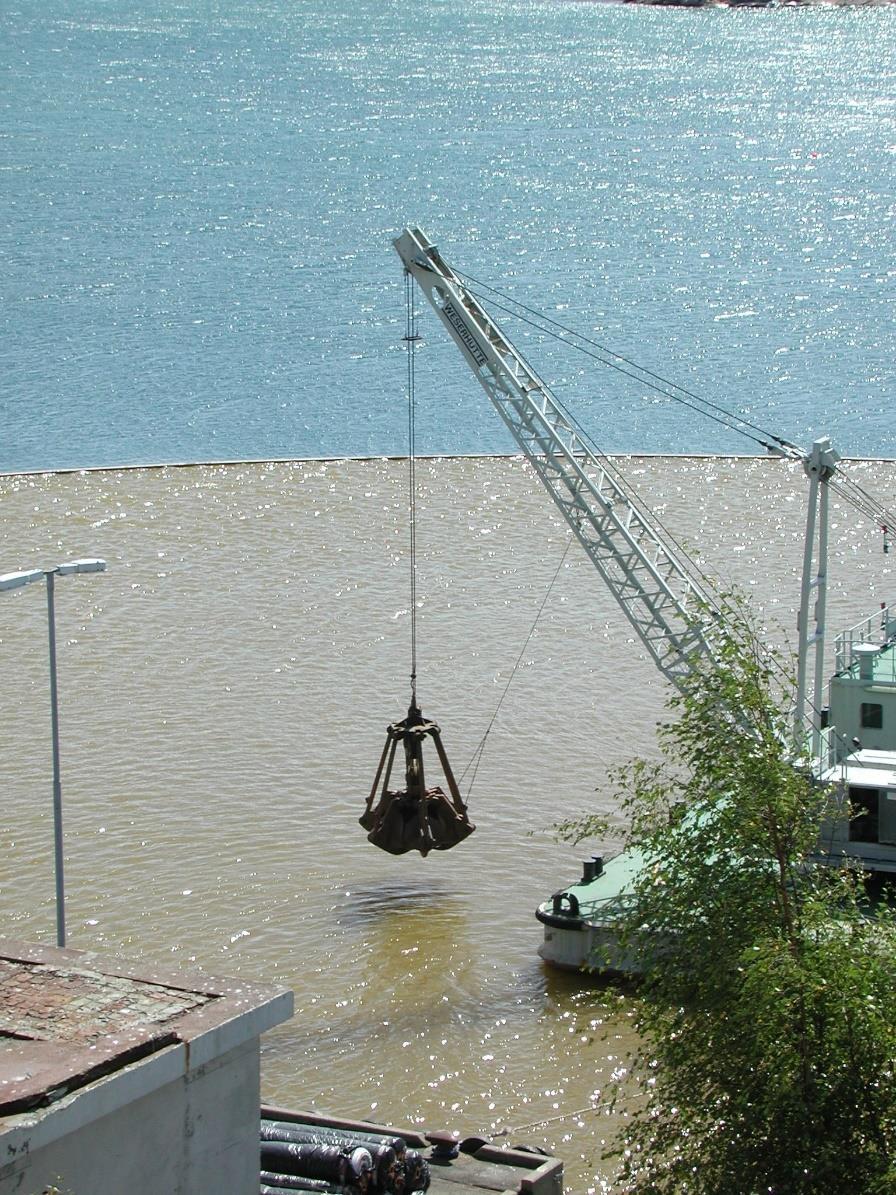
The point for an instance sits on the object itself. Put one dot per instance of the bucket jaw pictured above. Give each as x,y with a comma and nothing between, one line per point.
416,818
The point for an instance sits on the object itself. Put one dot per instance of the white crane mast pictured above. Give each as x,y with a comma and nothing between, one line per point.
662,599
820,466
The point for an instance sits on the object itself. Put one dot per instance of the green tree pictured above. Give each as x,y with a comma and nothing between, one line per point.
768,1006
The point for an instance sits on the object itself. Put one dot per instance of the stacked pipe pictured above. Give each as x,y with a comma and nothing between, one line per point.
307,1157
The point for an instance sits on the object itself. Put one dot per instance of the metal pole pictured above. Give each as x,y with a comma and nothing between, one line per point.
820,617
820,465
57,781
802,658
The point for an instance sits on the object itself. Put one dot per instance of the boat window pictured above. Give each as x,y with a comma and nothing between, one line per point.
886,818
872,715
864,803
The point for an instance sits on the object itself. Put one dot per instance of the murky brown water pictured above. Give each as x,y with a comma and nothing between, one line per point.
224,694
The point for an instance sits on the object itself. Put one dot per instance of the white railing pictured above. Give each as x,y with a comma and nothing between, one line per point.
879,628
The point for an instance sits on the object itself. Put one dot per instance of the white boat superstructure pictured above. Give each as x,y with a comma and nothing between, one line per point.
859,746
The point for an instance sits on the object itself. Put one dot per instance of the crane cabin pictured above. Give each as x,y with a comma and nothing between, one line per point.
860,740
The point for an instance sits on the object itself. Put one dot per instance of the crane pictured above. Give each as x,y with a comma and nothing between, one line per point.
674,615
673,612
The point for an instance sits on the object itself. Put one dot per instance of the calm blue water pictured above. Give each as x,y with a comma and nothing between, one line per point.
199,200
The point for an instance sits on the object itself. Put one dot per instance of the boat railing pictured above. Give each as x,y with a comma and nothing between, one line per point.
878,628
618,903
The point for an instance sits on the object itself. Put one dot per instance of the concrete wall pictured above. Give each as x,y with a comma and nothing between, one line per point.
193,1133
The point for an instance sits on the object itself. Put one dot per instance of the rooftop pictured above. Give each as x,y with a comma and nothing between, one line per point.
68,1017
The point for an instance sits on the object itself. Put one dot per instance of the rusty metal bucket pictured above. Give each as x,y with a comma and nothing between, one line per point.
415,818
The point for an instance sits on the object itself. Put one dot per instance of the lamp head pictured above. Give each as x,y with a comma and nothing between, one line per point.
81,566
17,580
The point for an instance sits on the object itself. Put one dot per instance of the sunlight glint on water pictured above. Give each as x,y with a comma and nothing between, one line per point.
225,689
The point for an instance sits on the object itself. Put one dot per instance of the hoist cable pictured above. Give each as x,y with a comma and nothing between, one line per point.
645,376
476,757
844,485
411,341
686,565
684,561
849,490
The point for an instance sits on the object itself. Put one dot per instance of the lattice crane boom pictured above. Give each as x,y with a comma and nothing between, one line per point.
662,599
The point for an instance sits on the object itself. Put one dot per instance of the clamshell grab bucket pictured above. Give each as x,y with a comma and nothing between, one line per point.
417,818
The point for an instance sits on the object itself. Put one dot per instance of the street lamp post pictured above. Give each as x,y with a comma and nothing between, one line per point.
16,581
